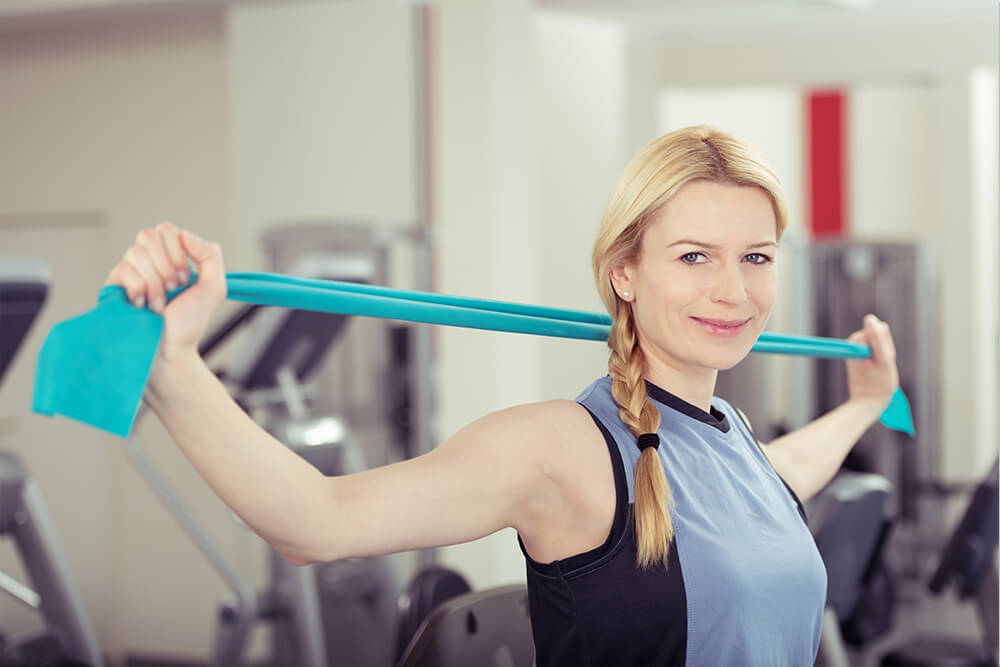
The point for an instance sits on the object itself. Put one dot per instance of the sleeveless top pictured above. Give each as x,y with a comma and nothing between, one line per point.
744,584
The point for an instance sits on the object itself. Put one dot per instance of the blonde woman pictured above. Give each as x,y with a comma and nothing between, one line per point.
655,529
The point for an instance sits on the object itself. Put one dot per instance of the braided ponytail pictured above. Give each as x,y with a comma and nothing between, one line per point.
653,526
649,181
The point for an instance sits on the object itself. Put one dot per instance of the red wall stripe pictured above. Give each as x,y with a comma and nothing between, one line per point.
827,164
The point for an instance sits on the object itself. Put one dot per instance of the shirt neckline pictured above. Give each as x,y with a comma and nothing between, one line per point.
715,418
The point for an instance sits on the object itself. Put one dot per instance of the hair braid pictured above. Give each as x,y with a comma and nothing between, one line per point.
653,526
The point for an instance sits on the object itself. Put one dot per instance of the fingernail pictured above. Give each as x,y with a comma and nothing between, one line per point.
139,301
156,304
171,285
182,277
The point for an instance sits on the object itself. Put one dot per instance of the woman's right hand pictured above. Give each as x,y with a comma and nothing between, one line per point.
158,263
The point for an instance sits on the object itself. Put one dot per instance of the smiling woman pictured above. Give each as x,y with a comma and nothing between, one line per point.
654,528
696,187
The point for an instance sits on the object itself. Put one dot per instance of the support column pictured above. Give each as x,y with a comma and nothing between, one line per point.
485,223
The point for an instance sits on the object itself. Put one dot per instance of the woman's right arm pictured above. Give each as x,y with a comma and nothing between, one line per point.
490,475
496,472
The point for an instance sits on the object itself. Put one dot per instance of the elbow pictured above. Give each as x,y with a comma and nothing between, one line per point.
303,555
296,558
313,540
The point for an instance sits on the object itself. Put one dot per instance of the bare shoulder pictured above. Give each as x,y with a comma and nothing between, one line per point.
557,428
572,505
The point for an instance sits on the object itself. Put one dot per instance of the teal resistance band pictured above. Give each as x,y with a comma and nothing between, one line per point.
94,368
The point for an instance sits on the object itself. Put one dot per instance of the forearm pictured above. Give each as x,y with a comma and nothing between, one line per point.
810,456
278,494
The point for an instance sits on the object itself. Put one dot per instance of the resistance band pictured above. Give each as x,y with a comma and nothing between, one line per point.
94,368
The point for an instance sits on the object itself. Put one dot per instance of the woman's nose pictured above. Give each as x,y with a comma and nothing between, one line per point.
728,286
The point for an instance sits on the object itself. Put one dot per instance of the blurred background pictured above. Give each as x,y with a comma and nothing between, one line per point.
468,148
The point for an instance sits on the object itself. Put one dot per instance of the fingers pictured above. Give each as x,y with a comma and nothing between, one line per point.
155,265
878,337
170,237
129,278
139,260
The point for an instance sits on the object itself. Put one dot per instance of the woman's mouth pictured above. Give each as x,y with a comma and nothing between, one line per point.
722,327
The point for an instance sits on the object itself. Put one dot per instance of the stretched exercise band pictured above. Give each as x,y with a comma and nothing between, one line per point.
94,368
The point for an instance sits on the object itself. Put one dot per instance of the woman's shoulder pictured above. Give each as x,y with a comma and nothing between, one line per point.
557,431
557,420
575,500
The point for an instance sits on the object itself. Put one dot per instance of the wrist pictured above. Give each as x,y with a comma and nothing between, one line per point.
869,407
172,371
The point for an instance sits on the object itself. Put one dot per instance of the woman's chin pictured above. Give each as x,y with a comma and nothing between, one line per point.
724,362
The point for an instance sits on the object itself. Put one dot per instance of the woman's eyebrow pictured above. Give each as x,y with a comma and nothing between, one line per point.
712,246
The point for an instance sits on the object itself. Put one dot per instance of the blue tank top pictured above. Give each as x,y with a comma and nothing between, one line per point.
745,584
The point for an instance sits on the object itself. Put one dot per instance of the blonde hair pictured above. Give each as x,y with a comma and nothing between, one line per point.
650,180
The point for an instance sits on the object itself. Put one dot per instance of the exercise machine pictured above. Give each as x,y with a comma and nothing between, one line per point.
67,638
968,563
489,627
347,612
850,521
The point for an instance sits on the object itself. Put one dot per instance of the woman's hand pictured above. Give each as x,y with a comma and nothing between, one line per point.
158,263
875,378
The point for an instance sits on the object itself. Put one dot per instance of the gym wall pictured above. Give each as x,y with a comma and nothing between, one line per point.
226,120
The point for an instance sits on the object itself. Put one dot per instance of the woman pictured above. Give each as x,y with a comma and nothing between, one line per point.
655,529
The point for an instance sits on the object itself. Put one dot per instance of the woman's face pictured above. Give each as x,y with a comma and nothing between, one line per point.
708,255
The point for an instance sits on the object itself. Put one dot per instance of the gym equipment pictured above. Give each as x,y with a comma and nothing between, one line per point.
339,613
67,638
109,351
379,377
895,279
326,614
969,560
429,589
490,627
849,523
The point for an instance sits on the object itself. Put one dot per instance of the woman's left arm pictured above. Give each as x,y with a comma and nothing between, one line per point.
808,458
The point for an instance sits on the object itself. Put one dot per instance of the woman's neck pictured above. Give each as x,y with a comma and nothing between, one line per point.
694,386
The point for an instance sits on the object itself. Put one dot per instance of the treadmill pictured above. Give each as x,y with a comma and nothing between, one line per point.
68,638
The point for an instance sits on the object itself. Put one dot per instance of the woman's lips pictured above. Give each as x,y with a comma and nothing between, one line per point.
722,327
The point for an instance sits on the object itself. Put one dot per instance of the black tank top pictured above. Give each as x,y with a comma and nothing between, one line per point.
757,578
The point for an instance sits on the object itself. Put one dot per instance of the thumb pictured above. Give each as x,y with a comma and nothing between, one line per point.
207,256
862,337
195,246
857,337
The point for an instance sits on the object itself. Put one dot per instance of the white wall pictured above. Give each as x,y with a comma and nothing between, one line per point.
486,225
812,52
580,77
890,150
985,138
965,241
122,122
321,116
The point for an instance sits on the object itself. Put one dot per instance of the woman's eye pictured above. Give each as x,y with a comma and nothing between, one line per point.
763,259
684,258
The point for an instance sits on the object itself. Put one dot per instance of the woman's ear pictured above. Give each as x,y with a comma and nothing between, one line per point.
621,281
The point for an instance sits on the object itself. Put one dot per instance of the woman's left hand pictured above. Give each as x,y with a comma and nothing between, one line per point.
875,378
